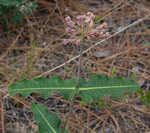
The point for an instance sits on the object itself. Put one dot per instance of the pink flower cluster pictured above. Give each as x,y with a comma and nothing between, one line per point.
84,28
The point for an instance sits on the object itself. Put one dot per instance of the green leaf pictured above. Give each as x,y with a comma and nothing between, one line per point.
16,19
89,69
100,85
97,87
8,2
134,74
47,122
43,86
97,18
34,5
101,102
113,71
147,97
68,69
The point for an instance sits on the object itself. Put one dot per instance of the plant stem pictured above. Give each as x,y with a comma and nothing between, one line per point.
76,90
79,69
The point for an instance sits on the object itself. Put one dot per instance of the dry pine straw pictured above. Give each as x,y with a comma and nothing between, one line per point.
128,115
128,52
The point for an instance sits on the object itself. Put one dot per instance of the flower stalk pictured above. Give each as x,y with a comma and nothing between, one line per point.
81,29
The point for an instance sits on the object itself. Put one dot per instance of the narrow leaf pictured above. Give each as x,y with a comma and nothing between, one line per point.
100,85
43,86
94,89
8,2
47,122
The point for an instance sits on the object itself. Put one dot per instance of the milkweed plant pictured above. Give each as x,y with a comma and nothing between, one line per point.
81,28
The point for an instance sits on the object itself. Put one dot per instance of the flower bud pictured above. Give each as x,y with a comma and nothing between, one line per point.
78,42
67,19
91,15
69,30
80,19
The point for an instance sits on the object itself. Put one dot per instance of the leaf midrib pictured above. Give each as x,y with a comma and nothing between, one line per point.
87,88
53,130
